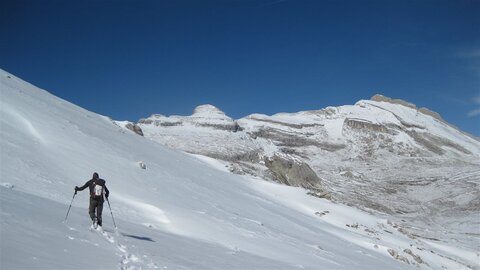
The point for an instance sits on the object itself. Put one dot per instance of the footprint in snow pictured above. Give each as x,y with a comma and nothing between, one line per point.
128,261
108,237
71,228
122,248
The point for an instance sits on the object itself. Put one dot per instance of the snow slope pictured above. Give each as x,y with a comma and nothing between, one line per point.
181,212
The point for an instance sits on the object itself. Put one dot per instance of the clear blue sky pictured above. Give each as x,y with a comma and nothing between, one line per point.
130,59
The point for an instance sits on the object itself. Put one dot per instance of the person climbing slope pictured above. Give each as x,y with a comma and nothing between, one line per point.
97,189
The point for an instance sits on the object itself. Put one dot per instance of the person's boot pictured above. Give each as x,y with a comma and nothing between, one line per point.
95,223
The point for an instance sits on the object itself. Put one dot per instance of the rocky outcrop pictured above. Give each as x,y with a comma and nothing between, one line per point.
292,172
362,124
135,128
233,127
397,256
380,98
128,125
426,111
415,257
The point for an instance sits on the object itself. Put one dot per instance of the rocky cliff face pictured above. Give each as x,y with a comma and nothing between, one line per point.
379,155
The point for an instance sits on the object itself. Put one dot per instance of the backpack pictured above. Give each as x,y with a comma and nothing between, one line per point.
97,190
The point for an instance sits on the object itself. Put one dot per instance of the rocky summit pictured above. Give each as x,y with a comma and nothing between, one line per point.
382,155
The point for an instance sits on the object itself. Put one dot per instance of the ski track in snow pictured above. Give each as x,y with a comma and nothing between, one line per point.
127,259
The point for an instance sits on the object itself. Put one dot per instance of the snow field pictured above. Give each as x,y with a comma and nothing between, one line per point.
180,212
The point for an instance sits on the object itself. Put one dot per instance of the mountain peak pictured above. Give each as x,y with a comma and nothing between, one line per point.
207,109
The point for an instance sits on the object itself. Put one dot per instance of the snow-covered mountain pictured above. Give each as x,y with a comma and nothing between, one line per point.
174,210
381,155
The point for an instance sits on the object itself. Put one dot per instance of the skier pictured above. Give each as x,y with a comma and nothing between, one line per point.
97,190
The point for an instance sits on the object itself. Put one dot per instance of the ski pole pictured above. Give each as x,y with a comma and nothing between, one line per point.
70,206
111,213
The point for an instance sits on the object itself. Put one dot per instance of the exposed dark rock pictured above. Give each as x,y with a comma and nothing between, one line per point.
291,172
415,257
145,121
134,128
397,256
142,165
247,156
168,124
234,127
364,124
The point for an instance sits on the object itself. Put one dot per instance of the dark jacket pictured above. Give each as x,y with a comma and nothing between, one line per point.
91,183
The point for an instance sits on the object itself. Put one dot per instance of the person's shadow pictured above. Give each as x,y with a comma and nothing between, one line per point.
144,238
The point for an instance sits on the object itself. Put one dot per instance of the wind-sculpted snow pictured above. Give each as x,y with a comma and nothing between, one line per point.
177,211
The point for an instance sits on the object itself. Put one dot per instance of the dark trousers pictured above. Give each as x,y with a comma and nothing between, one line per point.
98,206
